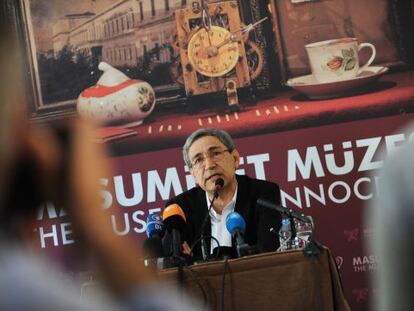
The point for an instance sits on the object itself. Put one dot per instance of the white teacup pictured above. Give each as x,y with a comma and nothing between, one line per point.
337,59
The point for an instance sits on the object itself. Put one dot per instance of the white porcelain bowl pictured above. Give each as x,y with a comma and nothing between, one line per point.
116,99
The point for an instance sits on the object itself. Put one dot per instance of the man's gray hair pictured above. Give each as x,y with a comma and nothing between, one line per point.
221,135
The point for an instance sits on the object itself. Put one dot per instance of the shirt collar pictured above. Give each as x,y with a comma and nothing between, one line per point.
230,206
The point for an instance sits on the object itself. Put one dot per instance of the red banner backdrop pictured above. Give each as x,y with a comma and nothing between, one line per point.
327,172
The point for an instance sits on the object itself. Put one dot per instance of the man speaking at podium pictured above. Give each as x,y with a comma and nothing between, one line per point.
212,159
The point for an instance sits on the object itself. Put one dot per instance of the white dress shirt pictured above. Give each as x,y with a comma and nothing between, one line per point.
218,223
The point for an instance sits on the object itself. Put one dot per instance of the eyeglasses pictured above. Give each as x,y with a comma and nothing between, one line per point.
213,155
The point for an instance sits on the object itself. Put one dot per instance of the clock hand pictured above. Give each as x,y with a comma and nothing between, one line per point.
206,22
209,38
250,27
229,39
243,30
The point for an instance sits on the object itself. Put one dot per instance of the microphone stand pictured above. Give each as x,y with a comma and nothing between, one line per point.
292,230
202,236
178,260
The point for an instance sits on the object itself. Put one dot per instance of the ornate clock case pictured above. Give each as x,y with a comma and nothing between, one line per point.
212,49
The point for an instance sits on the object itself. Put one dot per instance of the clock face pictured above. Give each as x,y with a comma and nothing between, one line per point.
213,53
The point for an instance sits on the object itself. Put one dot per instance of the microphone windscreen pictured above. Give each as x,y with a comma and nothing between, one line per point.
235,221
219,183
155,226
174,217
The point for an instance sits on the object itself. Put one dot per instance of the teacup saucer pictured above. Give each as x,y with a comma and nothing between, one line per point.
316,90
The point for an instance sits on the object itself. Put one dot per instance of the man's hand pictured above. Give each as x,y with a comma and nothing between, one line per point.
186,249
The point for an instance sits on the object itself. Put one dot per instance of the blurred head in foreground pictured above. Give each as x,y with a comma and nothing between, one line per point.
59,162
10,83
53,162
391,216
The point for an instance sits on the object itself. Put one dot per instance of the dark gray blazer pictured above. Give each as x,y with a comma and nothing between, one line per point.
258,220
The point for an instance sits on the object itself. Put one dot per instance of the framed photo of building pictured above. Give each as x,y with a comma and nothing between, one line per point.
66,40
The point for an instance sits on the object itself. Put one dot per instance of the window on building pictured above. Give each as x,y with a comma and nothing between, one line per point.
157,51
141,11
145,50
183,2
167,5
152,8
133,19
130,53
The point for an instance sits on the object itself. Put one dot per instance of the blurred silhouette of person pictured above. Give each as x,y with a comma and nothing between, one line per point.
60,163
391,216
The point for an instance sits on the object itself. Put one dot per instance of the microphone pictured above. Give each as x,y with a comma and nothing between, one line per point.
174,220
152,247
155,226
286,211
218,184
236,225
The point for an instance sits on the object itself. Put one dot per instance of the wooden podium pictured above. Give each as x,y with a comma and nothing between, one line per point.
270,281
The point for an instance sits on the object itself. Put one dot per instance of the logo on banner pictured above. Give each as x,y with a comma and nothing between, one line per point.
365,263
360,294
368,233
339,261
352,235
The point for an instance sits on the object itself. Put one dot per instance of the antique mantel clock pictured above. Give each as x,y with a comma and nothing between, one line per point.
214,52
211,43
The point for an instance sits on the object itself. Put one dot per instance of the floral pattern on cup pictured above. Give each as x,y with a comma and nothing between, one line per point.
347,60
335,63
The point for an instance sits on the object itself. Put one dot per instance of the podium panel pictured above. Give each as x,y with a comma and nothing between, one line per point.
270,281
